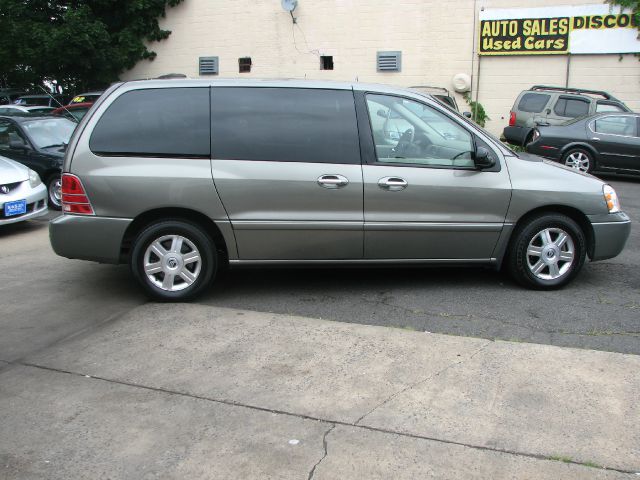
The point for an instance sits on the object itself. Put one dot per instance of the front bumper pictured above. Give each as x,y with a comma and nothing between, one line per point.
98,239
36,199
610,234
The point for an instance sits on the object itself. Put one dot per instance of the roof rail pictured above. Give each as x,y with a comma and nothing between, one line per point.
605,95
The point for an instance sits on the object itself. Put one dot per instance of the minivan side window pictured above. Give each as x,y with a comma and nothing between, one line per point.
162,122
409,132
284,125
533,102
571,107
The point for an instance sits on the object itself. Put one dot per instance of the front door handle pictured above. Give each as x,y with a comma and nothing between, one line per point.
333,181
393,184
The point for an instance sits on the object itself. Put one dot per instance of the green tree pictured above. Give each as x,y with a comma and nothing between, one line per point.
633,5
80,44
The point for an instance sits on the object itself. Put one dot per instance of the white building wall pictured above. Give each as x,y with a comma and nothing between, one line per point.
437,41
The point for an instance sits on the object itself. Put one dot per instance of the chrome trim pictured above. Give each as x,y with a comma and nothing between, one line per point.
612,223
365,261
294,225
433,227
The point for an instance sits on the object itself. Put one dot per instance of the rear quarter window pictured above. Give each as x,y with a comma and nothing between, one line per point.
164,122
533,102
284,125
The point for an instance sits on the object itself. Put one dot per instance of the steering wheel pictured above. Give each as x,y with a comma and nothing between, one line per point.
405,141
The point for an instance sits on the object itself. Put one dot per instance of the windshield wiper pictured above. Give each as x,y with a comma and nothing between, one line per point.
56,145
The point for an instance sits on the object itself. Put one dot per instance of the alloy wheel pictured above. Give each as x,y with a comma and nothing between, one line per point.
579,161
550,254
55,192
172,263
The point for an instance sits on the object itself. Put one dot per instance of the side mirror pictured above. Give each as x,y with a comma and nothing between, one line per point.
18,145
382,113
483,159
467,114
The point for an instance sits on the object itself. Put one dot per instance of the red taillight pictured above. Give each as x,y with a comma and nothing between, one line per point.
512,119
74,198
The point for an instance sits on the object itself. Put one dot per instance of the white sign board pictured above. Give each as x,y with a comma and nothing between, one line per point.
558,30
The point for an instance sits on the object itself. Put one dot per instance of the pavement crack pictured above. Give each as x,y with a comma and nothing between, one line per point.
324,445
421,381
333,422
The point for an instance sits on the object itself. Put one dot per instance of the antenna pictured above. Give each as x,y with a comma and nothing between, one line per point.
289,6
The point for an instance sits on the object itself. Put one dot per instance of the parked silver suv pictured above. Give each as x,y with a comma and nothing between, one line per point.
177,177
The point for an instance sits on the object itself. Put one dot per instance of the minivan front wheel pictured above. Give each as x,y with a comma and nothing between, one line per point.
547,252
173,260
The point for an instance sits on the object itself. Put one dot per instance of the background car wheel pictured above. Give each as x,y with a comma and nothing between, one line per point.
173,260
54,189
579,159
547,252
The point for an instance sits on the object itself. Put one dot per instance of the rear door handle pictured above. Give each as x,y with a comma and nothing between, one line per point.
393,184
333,181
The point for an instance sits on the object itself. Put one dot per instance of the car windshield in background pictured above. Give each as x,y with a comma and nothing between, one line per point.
50,132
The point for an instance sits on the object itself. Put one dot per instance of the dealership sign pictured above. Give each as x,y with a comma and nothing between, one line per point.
558,30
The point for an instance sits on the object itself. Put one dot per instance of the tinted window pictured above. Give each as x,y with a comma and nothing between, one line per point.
285,125
166,122
533,102
571,107
612,125
409,132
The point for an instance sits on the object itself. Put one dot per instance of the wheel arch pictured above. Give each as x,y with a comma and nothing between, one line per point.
573,213
151,216
583,145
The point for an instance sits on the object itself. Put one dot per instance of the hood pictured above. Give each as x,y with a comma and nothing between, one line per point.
12,172
57,152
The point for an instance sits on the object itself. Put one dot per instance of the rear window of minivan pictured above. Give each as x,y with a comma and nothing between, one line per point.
284,125
163,122
533,102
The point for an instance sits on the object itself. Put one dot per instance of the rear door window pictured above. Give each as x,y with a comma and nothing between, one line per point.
617,125
571,107
533,102
284,125
608,107
163,122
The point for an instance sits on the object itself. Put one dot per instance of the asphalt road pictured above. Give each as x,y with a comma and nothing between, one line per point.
45,299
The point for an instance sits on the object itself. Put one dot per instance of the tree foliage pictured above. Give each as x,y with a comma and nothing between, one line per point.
633,5
79,43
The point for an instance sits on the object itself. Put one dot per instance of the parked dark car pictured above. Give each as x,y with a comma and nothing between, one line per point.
605,142
73,111
39,143
42,100
544,105
9,95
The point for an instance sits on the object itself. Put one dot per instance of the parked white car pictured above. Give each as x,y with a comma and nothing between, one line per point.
19,109
23,196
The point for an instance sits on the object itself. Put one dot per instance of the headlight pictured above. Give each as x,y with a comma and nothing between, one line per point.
611,198
34,179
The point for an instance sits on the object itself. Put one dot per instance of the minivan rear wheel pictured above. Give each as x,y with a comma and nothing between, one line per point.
173,260
547,252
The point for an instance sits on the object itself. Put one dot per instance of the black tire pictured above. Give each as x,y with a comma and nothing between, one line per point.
521,265
568,161
54,199
196,237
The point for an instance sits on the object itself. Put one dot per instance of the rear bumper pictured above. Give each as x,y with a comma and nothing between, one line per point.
98,239
611,236
516,135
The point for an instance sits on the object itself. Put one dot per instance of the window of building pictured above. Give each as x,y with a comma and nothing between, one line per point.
244,64
284,125
571,107
533,102
326,62
164,122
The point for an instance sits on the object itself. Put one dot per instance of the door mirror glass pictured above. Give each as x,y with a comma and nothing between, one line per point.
483,159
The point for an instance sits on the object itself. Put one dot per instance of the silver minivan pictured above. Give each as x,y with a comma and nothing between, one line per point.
180,177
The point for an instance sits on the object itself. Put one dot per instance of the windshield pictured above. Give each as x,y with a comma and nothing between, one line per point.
50,132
